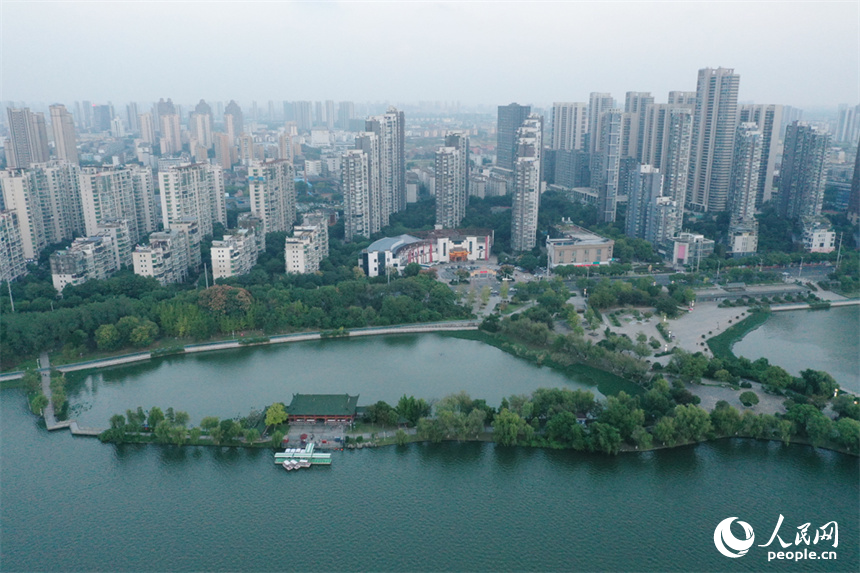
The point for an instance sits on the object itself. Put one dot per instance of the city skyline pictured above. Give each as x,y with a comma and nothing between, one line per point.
770,59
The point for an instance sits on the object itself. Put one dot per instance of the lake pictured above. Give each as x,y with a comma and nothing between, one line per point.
819,339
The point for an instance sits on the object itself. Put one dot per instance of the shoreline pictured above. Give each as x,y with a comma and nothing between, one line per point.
488,438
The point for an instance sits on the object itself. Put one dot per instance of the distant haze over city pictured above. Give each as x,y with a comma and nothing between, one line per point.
801,54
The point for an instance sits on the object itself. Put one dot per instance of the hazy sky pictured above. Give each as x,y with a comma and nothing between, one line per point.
796,53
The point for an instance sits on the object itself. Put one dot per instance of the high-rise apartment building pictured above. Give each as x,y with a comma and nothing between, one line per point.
102,116
666,144
847,124
86,259
236,121
510,119
452,180
368,142
201,126
108,195
598,104
329,114
647,216
714,122
682,98
147,127
193,192
225,152
28,138
345,113
803,172
527,182
65,141
234,255
390,129
635,104
273,194
304,251
304,115
746,165
605,163
12,262
569,125
768,118
47,201
356,185
166,257
132,117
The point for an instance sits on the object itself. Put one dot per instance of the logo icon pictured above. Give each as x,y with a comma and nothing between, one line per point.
728,544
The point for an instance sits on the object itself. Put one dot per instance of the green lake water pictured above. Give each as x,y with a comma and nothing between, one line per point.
74,504
826,340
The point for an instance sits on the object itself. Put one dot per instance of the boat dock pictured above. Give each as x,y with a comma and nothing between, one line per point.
306,453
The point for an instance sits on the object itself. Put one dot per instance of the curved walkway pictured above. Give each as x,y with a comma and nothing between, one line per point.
450,326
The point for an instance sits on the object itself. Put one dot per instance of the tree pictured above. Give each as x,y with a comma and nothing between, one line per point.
622,412
107,337
664,431
155,417
430,429
412,409
507,427
162,432
275,415
748,398
776,377
177,435
819,428
475,421
117,422
485,295
252,435
209,423
605,438
181,418
32,381
642,438
401,438
725,420
39,403
692,423
277,439
230,430
848,431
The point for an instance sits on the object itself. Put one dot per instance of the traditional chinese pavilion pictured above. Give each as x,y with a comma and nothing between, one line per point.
322,408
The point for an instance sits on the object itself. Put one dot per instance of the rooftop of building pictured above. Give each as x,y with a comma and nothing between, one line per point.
322,405
391,243
578,234
456,235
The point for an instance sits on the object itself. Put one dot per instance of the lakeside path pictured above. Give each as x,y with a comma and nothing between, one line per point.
44,369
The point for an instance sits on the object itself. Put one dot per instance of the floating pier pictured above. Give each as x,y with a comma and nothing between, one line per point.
301,454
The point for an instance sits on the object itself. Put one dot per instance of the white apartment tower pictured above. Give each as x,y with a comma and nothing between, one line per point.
28,138
195,192
606,162
746,165
273,194
666,145
390,129
356,185
65,141
527,172
569,125
714,123
234,255
12,263
452,180
368,142
768,118
635,104
166,257
598,104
